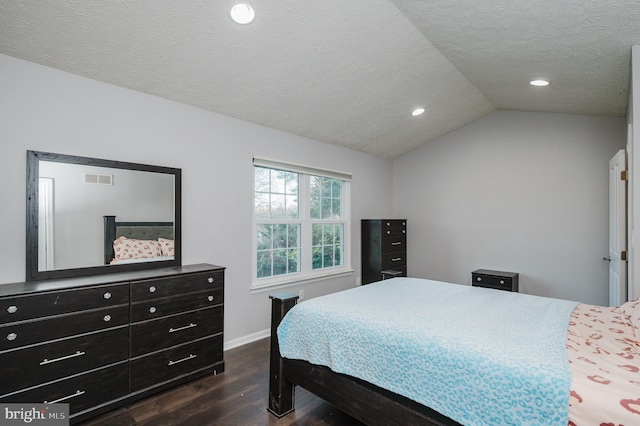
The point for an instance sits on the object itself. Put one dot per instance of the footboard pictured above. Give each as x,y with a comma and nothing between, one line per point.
364,401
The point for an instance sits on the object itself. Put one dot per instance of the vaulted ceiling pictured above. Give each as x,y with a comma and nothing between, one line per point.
343,72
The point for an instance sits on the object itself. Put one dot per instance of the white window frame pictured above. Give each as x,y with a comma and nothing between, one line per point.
306,273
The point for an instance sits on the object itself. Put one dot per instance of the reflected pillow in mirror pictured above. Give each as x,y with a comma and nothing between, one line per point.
128,248
166,246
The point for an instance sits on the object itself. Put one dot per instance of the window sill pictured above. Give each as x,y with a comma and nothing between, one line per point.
299,280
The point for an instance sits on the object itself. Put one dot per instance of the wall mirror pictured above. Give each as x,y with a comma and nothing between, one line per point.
87,216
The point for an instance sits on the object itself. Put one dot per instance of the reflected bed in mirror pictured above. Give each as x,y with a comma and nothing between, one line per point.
72,205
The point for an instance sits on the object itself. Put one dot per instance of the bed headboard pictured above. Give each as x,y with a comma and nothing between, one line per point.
135,230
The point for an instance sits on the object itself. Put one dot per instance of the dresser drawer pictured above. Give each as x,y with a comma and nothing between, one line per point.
394,243
163,287
53,360
394,260
19,308
170,363
150,336
80,392
157,308
393,232
24,333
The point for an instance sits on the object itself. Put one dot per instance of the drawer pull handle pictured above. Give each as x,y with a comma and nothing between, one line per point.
388,223
12,336
388,232
107,295
396,259
152,289
152,309
62,358
12,309
396,243
210,279
404,231
73,395
210,298
479,279
107,318
192,356
501,281
191,325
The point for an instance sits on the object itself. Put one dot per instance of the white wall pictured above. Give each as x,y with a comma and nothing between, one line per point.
48,110
514,191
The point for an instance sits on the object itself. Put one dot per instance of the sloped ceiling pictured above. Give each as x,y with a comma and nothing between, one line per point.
346,73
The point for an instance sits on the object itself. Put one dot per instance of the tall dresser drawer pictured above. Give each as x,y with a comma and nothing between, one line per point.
80,392
393,260
157,308
150,336
13,335
394,243
19,308
38,364
157,367
163,287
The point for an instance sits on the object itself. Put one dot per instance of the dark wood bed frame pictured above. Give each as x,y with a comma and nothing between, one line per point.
368,403
137,230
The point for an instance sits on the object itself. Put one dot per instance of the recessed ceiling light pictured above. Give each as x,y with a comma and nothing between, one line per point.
539,83
417,112
242,13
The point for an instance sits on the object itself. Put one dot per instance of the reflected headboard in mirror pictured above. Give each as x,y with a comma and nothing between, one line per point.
68,198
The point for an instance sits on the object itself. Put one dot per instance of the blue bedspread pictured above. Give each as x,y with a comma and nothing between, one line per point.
478,356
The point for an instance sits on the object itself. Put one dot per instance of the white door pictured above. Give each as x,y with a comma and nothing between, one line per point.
617,229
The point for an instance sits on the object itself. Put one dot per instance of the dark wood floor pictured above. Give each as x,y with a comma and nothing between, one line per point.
238,397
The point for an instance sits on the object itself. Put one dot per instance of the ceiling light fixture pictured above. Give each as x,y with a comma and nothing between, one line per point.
242,13
539,83
416,112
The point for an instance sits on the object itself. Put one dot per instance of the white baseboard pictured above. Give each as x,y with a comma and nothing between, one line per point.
247,339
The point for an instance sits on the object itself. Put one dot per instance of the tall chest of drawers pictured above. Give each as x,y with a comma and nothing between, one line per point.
384,247
100,342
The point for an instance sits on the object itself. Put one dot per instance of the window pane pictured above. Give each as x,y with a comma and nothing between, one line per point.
317,257
279,236
262,205
292,260
278,181
336,188
264,264
293,235
262,179
279,262
336,210
264,240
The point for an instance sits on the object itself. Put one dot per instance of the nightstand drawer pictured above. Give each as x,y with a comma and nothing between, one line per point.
40,305
163,287
38,364
150,336
155,368
157,308
18,334
80,392
495,279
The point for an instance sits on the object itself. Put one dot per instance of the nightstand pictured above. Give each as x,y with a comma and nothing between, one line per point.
495,279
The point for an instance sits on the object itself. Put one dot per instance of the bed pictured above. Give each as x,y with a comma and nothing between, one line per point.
392,353
137,242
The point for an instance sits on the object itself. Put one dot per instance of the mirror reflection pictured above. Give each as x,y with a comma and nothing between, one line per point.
91,216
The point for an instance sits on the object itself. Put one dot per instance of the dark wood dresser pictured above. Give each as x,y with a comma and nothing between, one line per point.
103,341
495,279
384,247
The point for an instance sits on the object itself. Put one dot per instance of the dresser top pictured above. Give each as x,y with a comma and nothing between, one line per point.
118,277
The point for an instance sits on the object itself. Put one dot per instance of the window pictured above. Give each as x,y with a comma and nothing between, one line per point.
300,222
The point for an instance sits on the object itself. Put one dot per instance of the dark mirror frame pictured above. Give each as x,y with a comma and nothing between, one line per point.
32,272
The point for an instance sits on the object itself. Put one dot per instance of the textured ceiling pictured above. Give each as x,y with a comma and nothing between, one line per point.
347,73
